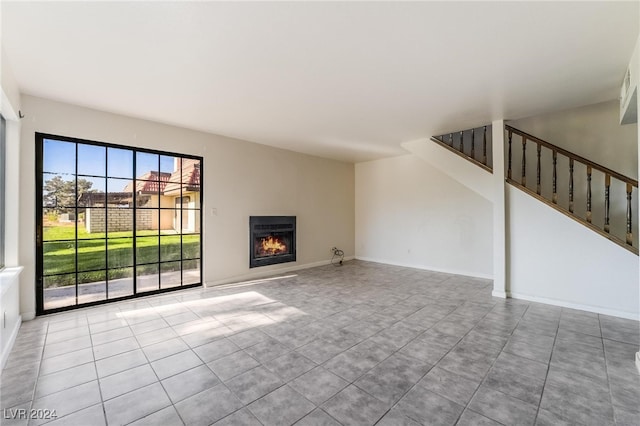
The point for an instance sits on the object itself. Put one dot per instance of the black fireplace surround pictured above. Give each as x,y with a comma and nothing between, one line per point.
272,240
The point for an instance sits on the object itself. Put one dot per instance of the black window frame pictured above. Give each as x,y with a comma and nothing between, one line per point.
39,169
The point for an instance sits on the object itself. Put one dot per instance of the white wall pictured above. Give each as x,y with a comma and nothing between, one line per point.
500,246
11,99
10,107
594,132
240,179
9,283
463,171
554,259
409,213
636,58
10,318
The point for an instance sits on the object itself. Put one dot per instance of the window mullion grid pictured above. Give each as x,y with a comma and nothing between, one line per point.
106,223
76,207
181,226
159,217
135,224
76,220
200,198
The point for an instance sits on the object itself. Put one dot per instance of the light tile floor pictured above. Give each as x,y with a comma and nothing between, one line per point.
359,344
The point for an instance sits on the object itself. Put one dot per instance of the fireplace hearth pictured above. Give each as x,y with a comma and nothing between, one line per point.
272,240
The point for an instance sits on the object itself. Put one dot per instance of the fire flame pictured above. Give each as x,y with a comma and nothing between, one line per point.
272,246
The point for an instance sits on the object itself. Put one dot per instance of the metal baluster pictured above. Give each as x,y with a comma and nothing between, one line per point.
589,194
484,146
523,181
509,167
555,178
538,188
629,220
473,143
571,185
451,139
462,141
607,193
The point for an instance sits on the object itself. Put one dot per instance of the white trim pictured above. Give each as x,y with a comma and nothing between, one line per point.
10,278
588,308
499,211
6,108
10,342
500,294
427,268
268,273
28,316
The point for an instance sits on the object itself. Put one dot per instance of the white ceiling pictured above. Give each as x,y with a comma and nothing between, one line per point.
349,81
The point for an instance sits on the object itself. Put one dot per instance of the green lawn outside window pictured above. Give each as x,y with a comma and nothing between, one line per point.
60,256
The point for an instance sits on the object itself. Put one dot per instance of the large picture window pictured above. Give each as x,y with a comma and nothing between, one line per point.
114,222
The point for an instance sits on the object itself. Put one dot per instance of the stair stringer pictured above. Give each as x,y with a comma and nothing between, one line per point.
468,174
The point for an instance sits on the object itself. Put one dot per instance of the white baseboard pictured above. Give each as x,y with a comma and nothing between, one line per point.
268,273
28,316
12,339
427,268
501,294
565,304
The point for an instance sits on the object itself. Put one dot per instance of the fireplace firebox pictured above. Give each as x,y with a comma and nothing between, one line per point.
272,240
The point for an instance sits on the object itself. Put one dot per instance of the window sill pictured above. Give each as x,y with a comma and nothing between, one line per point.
9,276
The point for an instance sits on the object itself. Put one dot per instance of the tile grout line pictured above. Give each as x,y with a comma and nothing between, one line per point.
92,355
35,385
95,367
335,292
606,369
431,368
546,376
484,378
153,370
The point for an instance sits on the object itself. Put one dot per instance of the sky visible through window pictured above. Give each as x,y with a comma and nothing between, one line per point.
95,248
59,158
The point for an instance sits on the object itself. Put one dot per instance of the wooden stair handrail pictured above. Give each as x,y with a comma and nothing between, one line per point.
460,151
573,156
590,166
589,225
461,154
521,183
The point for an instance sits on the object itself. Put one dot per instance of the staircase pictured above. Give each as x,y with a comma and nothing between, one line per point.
571,190
468,146
593,195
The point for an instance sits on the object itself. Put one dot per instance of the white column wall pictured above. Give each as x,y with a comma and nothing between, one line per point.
637,67
500,288
10,277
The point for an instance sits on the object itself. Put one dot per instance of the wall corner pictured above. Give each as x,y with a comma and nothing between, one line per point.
500,285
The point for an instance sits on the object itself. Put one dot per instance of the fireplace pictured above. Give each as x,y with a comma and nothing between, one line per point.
272,240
